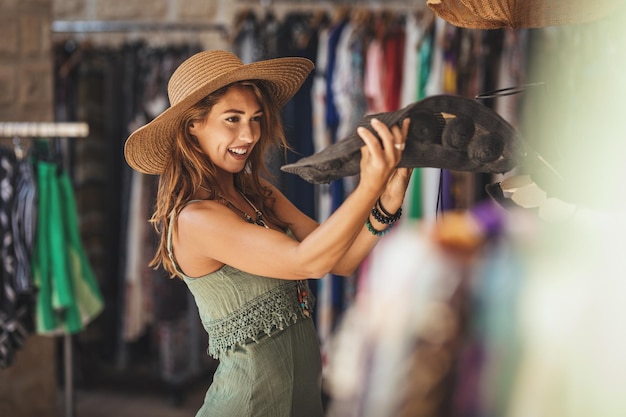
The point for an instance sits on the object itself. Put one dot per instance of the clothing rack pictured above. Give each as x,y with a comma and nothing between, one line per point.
52,130
85,26
44,129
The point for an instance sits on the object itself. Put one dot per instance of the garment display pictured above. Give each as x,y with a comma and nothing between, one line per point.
47,281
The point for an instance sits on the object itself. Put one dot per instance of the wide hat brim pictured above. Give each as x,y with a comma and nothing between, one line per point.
148,148
489,14
494,146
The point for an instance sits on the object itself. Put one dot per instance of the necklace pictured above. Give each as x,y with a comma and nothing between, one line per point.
259,215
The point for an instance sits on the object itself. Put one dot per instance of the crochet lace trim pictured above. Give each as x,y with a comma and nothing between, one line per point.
276,309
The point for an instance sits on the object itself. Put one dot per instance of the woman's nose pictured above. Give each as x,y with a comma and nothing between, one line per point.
247,133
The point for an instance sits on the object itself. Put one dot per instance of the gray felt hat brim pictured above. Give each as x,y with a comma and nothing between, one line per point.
492,145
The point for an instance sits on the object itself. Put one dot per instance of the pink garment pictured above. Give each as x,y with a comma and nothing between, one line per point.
373,78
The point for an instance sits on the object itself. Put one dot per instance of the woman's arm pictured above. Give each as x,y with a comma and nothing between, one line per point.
391,199
209,233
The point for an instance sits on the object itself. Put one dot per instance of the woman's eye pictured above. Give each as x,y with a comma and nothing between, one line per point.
233,119
257,119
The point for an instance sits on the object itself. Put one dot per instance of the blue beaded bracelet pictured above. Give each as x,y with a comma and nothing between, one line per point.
375,232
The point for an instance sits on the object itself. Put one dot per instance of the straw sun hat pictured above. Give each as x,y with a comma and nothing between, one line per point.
147,149
496,14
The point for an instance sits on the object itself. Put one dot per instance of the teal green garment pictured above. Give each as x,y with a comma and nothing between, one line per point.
41,266
424,54
68,295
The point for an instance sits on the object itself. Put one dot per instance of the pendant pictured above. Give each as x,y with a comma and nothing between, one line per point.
260,221
304,298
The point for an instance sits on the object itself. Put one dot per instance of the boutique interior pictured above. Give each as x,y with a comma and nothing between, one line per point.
497,294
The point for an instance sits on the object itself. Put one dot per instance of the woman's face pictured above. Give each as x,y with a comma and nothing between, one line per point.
231,129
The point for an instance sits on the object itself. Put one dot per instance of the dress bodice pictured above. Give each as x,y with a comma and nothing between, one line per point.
236,307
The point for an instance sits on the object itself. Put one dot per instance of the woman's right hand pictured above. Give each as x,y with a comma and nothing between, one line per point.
379,157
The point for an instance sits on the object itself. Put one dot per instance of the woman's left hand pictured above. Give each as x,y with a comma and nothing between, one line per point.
396,187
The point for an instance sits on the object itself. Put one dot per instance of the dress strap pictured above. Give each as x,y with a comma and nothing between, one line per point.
170,249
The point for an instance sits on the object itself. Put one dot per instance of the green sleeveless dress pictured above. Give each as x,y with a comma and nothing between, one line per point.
267,346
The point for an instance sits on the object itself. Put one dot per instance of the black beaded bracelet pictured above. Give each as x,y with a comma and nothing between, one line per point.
373,230
385,217
382,208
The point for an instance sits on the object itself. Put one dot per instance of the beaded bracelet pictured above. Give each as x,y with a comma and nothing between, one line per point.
373,230
382,208
385,217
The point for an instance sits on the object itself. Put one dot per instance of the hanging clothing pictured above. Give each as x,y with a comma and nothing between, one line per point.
17,204
24,222
138,295
297,114
348,80
387,356
394,65
68,295
7,250
373,77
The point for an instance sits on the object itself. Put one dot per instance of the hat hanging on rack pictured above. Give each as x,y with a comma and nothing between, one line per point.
446,131
491,14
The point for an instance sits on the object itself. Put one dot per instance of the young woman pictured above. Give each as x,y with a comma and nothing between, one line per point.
243,249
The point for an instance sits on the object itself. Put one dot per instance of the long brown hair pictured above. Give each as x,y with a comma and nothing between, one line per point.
189,166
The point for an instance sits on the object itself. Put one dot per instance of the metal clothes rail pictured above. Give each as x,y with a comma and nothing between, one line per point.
86,26
43,129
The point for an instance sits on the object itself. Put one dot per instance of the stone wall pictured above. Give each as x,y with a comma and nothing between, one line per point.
28,386
187,15
25,61
181,13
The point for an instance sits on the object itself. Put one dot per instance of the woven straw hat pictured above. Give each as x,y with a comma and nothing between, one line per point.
496,14
147,149
446,131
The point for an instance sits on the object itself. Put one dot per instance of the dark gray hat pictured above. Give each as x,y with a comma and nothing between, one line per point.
446,131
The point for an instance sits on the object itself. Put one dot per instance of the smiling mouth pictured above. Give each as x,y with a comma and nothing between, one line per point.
238,151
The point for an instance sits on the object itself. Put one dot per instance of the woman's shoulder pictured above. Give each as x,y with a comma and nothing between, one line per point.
199,216
200,225
194,208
